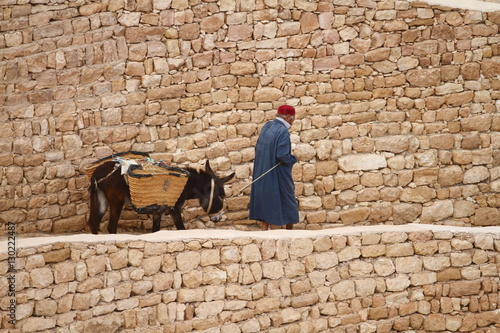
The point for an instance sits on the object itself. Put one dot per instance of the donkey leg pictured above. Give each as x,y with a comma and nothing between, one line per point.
115,210
156,222
177,217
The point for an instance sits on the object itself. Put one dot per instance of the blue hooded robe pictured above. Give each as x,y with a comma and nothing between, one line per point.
272,198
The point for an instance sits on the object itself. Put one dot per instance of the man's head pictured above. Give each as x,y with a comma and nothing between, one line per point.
287,112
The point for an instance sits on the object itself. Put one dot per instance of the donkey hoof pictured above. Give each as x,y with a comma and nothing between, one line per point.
216,218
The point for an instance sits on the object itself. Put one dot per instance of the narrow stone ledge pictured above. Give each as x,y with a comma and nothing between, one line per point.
206,234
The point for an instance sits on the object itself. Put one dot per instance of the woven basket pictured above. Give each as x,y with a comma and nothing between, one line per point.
155,186
90,168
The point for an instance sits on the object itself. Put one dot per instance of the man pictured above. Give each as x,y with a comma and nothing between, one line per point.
272,199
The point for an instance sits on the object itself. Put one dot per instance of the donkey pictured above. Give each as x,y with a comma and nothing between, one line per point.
108,188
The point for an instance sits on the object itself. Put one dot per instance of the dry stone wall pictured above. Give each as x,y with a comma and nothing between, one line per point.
397,103
379,279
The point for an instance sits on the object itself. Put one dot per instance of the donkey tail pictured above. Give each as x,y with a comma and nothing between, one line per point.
98,206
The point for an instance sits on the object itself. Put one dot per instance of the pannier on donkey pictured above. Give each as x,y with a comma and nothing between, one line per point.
150,187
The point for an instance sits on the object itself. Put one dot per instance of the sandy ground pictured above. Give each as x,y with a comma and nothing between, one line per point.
207,234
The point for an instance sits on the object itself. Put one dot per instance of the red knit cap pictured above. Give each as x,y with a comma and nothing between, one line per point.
286,110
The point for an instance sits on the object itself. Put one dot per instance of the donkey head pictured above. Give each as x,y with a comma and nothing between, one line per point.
212,198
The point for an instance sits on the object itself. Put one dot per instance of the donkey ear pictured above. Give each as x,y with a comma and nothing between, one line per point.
208,168
228,178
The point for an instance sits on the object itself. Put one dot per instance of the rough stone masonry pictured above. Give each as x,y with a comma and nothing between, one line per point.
397,104
397,124
413,278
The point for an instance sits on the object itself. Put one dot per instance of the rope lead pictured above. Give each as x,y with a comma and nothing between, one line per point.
265,173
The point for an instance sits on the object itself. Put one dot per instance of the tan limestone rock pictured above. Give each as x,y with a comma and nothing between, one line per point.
476,174
250,253
437,211
187,261
213,23
300,248
344,290
41,277
485,216
424,77
354,215
272,270
267,94
419,194
64,272
362,162
34,324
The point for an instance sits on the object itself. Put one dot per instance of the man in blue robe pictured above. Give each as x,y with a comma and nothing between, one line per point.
272,199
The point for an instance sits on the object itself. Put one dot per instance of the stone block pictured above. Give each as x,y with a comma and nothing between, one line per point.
135,257
300,248
426,248
81,302
372,251
190,295
209,309
41,277
464,288
437,212
214,276
304,300
354,215
349,253
460,259
436,264
399,283
96,265
187,261
407,265
423,279
118,259
420,194
322,244
326,260
424,77
210,257
212,23
229,254
89,284
123,290
141,287
399,250
127,304
310,203
435,322
484,242
56,256
344,290
362,162
267,304
250,253
485,216
64,272
34,324
449,274
272,270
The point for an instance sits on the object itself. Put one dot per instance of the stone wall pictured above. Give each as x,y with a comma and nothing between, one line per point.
413,278
397,103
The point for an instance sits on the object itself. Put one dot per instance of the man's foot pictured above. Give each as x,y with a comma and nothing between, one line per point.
267,226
